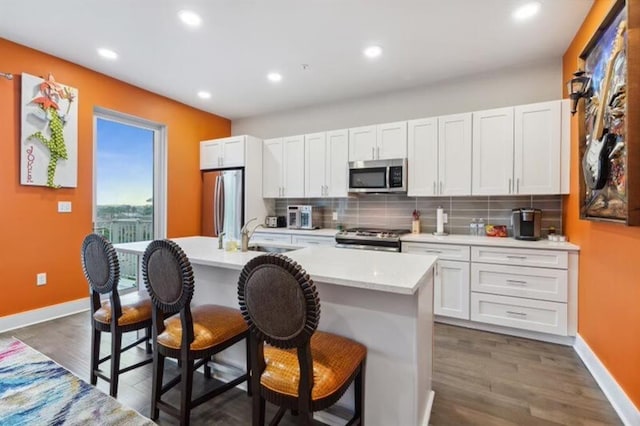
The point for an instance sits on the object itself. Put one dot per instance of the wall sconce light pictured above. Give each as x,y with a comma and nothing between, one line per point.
579,87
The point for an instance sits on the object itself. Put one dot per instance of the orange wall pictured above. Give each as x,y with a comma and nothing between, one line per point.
33,236
609,289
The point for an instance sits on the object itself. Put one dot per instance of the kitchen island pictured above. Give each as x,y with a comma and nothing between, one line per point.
383,300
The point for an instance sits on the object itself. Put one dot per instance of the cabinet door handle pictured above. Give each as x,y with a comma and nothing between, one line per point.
518,186
326,190
440,187
518,314
509,185
378,153
312,242
432,251
517,282
434,187
516,257
373,155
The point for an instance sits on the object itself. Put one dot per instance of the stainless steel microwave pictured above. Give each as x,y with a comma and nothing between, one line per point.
378,176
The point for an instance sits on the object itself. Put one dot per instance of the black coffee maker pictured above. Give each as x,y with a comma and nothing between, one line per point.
526,223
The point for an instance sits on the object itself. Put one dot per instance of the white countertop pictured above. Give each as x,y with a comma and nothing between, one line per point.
398,273
324,232
489,241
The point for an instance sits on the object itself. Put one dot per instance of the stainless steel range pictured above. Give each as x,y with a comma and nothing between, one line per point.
371,239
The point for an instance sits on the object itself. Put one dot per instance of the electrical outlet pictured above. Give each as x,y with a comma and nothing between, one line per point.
64,206
41,278
445,217
334,216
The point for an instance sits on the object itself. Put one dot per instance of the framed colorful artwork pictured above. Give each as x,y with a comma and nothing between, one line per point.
49,133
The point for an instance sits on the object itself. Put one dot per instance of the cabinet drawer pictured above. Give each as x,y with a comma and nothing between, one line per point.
443,251
521,257
527,314
313,241
520,281
271,238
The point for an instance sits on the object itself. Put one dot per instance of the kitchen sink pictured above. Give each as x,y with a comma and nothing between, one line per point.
270,249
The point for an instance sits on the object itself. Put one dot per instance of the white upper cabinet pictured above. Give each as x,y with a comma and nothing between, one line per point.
326,164
454,154
362,143
493,152
391,140
315,156
225,152
337,164
422,165
380,142
538,137
518,150
272,168
293,166
283,167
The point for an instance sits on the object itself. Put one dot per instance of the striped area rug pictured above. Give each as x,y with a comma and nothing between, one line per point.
34,390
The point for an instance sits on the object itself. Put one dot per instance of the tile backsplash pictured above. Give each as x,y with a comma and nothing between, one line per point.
394,211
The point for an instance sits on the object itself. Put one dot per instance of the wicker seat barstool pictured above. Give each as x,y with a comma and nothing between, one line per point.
209,329
299,369
133,311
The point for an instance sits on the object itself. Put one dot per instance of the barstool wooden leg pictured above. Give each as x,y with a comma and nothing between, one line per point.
156,385
95,354
248,346
257,415
116,344
148,344
185,394
359,394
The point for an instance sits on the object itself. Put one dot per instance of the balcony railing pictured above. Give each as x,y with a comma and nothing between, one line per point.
126,231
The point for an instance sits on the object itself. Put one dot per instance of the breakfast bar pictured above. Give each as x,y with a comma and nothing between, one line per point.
382,300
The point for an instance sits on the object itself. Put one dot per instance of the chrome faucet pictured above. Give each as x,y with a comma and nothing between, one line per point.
220,240
246,234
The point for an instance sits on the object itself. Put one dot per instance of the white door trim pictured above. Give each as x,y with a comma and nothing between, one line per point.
160,155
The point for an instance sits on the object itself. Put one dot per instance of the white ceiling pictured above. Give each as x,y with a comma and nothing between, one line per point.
240,41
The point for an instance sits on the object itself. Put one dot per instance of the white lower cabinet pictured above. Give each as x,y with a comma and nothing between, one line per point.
312,240
451,289
522,288
528,314
451,283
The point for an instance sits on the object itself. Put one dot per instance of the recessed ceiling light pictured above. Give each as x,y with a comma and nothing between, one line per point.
204,95
107,53
190,18
274,77
526,11
372,51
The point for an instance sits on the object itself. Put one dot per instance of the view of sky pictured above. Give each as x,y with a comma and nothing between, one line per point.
124,164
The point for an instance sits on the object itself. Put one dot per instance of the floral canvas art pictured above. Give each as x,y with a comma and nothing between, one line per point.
49,139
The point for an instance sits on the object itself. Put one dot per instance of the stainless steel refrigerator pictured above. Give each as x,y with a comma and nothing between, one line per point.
223,203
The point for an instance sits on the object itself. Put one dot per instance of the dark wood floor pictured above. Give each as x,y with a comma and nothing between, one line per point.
479,378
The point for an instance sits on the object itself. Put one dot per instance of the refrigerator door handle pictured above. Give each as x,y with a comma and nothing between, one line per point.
216,205
221,205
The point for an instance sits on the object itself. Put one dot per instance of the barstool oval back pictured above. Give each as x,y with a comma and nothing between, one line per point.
279,301
302,369
115,314
168,276
100,263
192,336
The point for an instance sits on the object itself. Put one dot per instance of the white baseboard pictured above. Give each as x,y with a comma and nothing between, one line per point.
23,319
545,337
628,412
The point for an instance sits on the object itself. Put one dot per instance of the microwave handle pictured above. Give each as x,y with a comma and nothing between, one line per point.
388,185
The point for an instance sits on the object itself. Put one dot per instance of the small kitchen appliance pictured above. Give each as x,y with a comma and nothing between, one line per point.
526,223
275,222
309,217
378,176
293,216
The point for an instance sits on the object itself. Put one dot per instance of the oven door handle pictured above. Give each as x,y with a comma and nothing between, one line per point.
368,247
